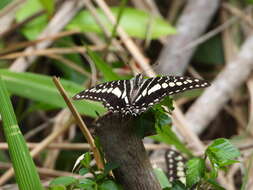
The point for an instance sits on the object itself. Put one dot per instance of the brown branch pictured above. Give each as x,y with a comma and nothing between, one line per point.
227,82
122,146
81,124
57,23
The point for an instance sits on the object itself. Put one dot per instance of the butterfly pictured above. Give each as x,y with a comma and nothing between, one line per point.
135,96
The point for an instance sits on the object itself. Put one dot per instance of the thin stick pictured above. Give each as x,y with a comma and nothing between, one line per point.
81,124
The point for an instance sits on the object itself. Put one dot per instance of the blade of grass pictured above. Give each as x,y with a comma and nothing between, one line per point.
25,170
41,88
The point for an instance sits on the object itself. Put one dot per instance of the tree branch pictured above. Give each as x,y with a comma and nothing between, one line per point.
122,146
192,23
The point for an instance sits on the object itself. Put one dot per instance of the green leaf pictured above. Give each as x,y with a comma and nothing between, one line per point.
195,171
41,88
83,171
3,3
145,124
109,167
166,135
49,5
134,22
25,171
221,152
108,185
65,180
162,178
57,187
107,71
210,52
33,28
87,184
178,185
86,160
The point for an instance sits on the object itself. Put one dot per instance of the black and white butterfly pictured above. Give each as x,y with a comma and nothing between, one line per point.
135,96
175,163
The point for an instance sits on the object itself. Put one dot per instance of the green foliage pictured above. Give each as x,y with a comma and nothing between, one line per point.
103,67
4,3
25,170
48,5
195,171
164,131
221,153
210,52
135,22
100,180
41,88
162,178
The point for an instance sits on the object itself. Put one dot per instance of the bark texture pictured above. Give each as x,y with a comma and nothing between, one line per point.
121,145
194,20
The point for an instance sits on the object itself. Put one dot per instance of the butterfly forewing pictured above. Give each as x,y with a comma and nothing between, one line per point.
155,89
112,94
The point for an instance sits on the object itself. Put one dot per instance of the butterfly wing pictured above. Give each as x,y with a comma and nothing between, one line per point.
175,166
113,94
153,90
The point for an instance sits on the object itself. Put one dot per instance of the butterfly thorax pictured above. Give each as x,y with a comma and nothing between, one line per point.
136,82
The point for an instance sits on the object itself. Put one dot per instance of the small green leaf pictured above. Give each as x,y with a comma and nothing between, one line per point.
33,28
86,160
221,152
108,185
162,178
166,135
57,187
49,5
178,185
107,71
3,3
87,184
135,22
83,171
65,180
110,166
195,171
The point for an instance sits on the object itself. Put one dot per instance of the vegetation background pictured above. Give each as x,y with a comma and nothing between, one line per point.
88,42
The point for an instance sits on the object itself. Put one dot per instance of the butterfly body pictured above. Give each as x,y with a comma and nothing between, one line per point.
135,96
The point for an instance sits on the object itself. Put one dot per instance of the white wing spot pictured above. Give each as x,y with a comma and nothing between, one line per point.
185,82
144,92
196,80
154,88
171,84
78,96
117,92
98,91
196,85
190,86
190,81
105,89
126,100
165,85
179,83
109,90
